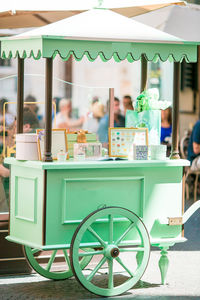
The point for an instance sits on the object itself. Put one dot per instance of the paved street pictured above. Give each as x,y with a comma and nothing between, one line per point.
183,280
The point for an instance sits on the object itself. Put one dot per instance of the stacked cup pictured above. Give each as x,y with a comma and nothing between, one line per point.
158,152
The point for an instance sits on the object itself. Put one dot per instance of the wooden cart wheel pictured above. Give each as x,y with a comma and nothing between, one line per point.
116,266
52,264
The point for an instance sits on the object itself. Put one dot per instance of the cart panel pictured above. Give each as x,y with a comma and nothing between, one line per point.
26,202
77,195
81,196
151,193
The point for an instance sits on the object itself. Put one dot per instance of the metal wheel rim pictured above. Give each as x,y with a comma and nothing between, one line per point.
60,275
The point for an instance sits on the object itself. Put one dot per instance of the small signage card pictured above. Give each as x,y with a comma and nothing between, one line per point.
121,140
140,152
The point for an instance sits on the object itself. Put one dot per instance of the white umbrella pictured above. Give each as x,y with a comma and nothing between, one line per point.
20,14
183,22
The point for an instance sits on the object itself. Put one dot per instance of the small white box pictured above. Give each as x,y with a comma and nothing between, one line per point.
26,146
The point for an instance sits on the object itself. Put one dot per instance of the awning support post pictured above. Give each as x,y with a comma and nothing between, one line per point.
20,95
143,84
48,109
175,112
111,107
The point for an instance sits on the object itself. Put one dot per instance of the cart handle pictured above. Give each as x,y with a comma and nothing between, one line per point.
180,220
190,211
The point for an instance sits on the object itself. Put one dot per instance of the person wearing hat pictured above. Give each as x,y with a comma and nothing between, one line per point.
92,122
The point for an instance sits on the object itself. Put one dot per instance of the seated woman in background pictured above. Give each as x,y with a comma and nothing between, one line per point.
166,125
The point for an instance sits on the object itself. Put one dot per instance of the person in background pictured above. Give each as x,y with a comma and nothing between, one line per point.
32,106
95,99
92,122
166,125
119,121
127,103
63,117
31,122
4,175
35,108
194,147
9,118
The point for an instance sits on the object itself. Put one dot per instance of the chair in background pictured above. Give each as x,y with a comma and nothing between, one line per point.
184,151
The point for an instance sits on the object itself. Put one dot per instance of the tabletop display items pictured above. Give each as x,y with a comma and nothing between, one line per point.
26,146
147,113
59,144
62,155
88,151
121,140
84,150
77,137
158,152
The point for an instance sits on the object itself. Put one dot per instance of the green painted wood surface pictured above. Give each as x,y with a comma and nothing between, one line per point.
26,204
151,189
71,164
49,46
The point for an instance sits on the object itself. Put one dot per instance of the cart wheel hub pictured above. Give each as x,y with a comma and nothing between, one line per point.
112,251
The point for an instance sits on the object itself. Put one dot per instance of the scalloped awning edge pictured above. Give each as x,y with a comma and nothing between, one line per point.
37,48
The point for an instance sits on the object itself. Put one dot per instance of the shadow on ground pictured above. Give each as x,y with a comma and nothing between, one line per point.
70,289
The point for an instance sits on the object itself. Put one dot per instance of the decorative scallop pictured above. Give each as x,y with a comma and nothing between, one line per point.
51,46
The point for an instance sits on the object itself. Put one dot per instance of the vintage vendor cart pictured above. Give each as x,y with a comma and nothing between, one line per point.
94,213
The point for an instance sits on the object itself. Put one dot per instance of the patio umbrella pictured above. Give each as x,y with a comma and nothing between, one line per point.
181,21
20,14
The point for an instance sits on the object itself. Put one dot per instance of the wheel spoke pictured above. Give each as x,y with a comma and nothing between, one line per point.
51,260
102,261
125,233
111,229
131,249
97,236
35,250
110,275
123,266
66,258
90,253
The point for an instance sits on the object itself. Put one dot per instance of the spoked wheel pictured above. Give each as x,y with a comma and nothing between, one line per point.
53,264
122,251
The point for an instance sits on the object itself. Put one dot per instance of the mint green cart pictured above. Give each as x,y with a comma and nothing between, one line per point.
96,219
103,212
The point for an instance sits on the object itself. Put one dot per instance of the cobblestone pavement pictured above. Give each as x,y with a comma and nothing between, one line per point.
183,279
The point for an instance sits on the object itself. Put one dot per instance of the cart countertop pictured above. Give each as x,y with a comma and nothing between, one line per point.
71,164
